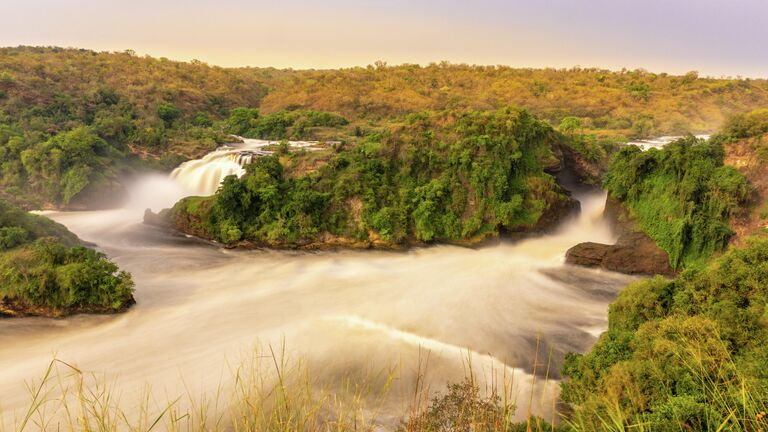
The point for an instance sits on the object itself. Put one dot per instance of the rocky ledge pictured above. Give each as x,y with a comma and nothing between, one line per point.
634,252
12,307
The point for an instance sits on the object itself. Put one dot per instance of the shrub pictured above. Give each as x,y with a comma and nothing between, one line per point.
168,113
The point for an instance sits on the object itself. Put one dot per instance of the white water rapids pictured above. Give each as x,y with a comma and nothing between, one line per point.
199,307
203,176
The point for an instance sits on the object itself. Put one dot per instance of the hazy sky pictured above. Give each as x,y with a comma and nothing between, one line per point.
715,37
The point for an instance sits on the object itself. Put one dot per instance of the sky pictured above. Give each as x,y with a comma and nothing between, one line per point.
713,37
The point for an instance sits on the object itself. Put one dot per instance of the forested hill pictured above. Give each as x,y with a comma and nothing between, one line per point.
624,102
53,87
631,103
74,123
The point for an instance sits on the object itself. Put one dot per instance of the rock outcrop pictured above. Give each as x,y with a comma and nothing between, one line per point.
634,252
583,170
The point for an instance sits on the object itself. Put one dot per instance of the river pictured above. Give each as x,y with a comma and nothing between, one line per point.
201,308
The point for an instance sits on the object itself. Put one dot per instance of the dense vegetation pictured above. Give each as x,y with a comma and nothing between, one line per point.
685,354
424,154
138,112
682,196
745,125
247,122
435,178
626,103
43,270
73,123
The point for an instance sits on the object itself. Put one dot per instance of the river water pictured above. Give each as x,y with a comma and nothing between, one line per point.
200,307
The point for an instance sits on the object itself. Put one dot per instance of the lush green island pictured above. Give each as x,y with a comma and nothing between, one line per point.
46,272
437,177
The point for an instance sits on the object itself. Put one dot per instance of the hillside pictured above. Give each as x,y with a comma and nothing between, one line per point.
627,103
686,353
126,113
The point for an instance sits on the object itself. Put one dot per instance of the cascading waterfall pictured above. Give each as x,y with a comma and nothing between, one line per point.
660,142
202,177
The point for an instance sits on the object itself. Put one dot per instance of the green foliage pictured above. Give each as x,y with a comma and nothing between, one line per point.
42,267
685,354
281,125
202,119
168,113
13,218
639,90
437,178
12,236
569,125
746,125
156,110
60,169
682,196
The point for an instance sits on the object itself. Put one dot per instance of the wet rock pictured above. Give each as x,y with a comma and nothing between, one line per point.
558,210
588,254
634,252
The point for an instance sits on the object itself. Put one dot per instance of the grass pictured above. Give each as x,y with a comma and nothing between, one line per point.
270,392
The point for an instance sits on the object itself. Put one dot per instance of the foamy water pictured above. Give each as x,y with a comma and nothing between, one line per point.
200,306
660,142
203,176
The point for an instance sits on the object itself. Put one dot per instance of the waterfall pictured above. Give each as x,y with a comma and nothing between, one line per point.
203,176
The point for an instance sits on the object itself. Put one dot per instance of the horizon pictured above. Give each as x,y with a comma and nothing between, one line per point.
386,64
706,36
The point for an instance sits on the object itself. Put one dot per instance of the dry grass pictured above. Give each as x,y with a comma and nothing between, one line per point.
270,392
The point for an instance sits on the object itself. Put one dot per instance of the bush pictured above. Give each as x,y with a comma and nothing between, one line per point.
747,125
12,236
168,113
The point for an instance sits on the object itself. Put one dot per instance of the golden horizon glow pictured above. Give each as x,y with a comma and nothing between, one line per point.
714,37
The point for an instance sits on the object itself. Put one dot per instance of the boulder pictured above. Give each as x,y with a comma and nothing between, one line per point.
634,252
588,254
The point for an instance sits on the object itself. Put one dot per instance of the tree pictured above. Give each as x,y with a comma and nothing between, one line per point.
168,113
